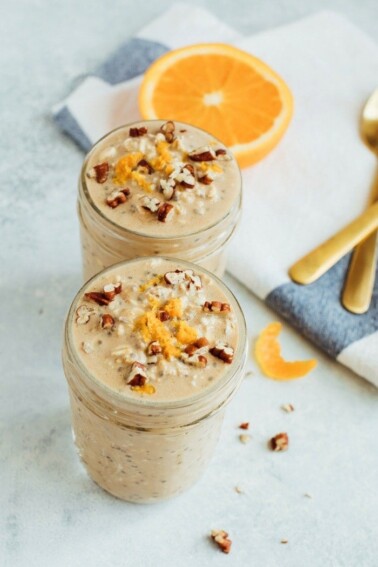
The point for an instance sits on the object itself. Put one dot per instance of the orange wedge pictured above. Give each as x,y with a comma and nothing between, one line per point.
236,97
268,356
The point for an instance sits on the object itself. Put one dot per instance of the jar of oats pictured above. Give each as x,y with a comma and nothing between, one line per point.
158,188
154,350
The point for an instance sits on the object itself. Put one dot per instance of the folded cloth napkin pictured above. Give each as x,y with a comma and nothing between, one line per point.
316,181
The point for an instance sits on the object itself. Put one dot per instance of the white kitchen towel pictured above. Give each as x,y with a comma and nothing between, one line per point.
317,179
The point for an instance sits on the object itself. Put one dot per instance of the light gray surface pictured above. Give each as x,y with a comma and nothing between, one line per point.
51,513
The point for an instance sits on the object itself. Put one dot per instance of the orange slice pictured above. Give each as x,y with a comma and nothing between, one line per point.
268,356
236,97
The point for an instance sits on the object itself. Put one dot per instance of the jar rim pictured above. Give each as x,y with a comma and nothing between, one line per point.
127,231
147,403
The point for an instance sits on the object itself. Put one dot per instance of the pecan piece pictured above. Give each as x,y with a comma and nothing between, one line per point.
220,537
101,172
168,188
118,197
145,166
175,278
196,360
168,129
223,351
137,375
216,307
279,442
98,297
244,425
222,154
163,315
83,314
206,153
111,290
194,280
206,179
135,132
150,204
154,348
165,212
107,321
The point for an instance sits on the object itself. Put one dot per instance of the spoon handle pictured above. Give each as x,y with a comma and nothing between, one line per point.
309,268
359,282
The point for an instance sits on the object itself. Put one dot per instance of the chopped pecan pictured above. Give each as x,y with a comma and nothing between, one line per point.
168,188
243,438
111,290
154,348
163,315
118,197
175,278
107,321
165,212
150,204
206,153
83,314
168,129
279,442
205,179
216,307
137,375
98,297
101,172
194,280
186,176
220,537
200,343
145,166
288,408
223,351
135,132
244,425
196,360
222,154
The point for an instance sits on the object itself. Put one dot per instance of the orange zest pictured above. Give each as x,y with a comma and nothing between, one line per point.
236,97
268,356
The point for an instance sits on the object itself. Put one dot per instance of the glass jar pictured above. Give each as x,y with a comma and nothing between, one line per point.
105,243
141,450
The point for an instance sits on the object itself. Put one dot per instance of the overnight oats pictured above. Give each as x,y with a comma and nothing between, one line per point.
158,188
154,350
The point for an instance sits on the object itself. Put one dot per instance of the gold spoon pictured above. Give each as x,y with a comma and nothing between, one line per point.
309,268
359,282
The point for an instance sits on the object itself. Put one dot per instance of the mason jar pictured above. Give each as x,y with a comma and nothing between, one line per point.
141,449
106,235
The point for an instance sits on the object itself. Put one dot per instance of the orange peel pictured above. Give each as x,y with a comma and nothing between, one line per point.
272,364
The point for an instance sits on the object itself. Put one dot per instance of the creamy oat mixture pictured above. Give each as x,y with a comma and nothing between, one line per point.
155,329
162,178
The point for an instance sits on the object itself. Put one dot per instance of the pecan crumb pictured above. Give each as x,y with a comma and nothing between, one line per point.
284,541
288,408
145,166
220,537
168,129
239,490
98,297
244,438
118,197
205,153
223,351
137,375
107,321
216,307
101,172
136,132
244,425
279,442
111,290
83,314
205,179
165,212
